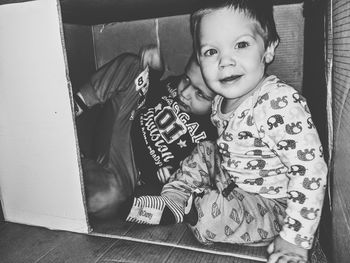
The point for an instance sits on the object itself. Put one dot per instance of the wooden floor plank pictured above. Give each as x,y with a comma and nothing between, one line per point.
81,248
20,243
188,256
136,252
129,251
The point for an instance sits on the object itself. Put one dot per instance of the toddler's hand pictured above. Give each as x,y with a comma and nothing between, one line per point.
281,251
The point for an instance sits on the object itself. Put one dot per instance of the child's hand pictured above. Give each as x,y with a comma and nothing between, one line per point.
281,251
151,56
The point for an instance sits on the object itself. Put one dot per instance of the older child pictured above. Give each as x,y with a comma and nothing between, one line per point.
264,179
151,128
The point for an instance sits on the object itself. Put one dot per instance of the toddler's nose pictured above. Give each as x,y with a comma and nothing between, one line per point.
227,60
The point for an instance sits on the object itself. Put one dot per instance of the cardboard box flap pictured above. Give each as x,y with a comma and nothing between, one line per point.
39,160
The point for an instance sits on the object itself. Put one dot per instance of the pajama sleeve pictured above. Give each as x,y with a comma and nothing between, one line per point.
290,133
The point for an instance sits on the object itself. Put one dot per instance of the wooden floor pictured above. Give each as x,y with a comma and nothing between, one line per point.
113,241
21,243
117,241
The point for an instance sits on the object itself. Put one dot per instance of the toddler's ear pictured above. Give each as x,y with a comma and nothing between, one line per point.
270,52
269,57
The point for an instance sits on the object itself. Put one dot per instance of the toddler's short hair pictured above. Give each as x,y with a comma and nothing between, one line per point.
259,10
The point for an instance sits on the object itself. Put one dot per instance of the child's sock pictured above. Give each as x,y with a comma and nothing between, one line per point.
154,210
146,210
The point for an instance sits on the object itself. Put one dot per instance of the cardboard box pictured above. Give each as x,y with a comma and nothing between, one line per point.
40,175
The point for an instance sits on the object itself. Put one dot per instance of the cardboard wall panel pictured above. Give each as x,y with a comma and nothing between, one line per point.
113,39
288,64
39,166
81,62
176,43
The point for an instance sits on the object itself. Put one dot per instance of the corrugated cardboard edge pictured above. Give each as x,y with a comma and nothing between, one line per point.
72,110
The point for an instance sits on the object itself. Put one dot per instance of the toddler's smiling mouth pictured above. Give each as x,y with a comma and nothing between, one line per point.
230,78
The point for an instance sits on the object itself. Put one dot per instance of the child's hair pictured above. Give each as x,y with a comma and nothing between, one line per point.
259,10
191,59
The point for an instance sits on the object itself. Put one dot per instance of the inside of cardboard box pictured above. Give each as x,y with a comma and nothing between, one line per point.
91,43
91,46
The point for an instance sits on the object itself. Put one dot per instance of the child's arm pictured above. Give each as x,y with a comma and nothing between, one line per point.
292,135
112,77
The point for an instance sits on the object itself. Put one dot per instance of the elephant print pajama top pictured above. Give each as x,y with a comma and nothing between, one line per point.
265,175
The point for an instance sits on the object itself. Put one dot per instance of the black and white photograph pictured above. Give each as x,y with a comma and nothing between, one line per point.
174,131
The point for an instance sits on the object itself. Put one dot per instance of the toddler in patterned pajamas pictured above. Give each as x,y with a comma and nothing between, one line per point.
263,180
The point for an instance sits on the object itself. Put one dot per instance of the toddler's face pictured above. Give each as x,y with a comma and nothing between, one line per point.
232,53
193,94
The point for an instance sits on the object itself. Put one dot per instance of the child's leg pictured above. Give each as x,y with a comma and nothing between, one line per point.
239,218
195,173
113,77
104,192
111,180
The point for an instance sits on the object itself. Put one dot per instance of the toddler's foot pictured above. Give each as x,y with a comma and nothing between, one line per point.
150,56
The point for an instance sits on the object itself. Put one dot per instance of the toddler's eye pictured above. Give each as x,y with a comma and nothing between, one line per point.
210,52
199,93
202,95
186,79
242,44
